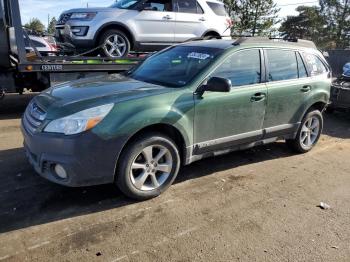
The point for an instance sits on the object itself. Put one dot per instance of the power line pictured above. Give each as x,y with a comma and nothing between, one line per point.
301,3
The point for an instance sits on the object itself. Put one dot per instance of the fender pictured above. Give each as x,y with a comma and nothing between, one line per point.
321,96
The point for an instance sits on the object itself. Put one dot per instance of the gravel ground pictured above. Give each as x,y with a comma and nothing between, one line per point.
253,205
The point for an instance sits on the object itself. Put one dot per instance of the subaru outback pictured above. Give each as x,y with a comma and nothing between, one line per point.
142,25
185,103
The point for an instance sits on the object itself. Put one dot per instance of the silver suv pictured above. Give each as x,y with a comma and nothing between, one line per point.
142,25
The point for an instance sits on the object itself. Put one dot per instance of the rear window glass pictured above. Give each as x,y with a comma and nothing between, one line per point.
315,65
282,65
218,9
188,6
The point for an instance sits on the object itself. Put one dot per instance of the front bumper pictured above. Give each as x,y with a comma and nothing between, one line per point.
64,33
87,158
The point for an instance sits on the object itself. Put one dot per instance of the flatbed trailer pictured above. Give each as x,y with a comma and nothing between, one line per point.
18,70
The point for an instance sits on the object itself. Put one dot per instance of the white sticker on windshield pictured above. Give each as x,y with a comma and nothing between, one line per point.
200,56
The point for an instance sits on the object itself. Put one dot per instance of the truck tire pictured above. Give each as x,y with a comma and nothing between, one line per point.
148,166
115,44
309,132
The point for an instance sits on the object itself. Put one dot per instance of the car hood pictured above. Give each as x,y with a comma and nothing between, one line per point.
71,97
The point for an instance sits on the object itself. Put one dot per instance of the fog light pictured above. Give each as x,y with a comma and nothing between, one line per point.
60,171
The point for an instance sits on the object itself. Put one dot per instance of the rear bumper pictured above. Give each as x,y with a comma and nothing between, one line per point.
87,158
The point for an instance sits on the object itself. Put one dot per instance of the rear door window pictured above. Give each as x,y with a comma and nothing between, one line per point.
218,9
282,65
315,65
242,68
159,5
188,6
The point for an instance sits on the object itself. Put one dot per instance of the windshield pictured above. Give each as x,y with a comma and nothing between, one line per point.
125,4
175,67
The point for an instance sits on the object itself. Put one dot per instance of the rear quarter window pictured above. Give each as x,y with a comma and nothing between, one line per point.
315,65
218,9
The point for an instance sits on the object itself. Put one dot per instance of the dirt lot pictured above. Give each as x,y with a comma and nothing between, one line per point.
255,205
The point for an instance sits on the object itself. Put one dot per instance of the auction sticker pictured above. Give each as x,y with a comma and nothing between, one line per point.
196,55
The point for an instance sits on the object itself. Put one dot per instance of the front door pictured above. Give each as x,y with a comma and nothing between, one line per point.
224,120
156,23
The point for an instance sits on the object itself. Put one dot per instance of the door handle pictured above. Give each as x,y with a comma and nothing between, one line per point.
167,17
258,97
305,89
202,19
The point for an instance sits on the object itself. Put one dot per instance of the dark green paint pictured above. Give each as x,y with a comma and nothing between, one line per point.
198,118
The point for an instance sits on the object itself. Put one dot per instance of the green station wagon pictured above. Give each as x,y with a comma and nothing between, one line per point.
188,102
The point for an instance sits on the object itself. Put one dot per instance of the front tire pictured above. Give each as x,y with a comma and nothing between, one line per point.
309,132
148,166
115,44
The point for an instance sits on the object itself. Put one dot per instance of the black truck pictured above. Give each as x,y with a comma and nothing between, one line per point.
21,70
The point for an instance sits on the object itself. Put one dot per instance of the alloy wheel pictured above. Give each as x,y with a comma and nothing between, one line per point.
115,46
310,132
151,168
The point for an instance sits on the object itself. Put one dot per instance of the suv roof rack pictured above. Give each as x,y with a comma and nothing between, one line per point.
269,40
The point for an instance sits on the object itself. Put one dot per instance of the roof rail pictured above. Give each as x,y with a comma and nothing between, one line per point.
267,40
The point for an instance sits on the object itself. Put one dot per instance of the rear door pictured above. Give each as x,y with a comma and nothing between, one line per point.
156,23
223,120
190,20
288,86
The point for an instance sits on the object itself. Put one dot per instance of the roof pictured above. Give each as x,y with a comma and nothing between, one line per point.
214,43
256,41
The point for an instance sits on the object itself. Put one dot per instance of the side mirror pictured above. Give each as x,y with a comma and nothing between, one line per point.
216,84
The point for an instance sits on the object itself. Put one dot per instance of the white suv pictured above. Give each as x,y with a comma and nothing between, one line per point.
143,25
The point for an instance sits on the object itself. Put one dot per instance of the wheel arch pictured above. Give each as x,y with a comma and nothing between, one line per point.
115,25
163,128
211,32
319,101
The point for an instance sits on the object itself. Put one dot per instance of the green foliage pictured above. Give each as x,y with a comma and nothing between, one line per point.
328,25
52,24
35,25
253,17
309,24
337,16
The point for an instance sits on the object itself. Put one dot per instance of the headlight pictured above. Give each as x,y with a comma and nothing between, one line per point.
79,122
83,16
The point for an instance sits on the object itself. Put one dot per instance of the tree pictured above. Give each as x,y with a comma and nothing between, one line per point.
51,28
308,24
253,17
337,16
36,25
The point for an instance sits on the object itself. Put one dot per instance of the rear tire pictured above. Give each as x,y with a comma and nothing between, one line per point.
309,132
148,166
115,44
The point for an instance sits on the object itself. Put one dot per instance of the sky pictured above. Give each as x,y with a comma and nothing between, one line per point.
43,8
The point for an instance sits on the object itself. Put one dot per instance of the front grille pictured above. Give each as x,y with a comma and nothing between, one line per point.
64,18
33,117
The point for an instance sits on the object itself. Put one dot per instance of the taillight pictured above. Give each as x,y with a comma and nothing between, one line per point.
229,22
53,48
